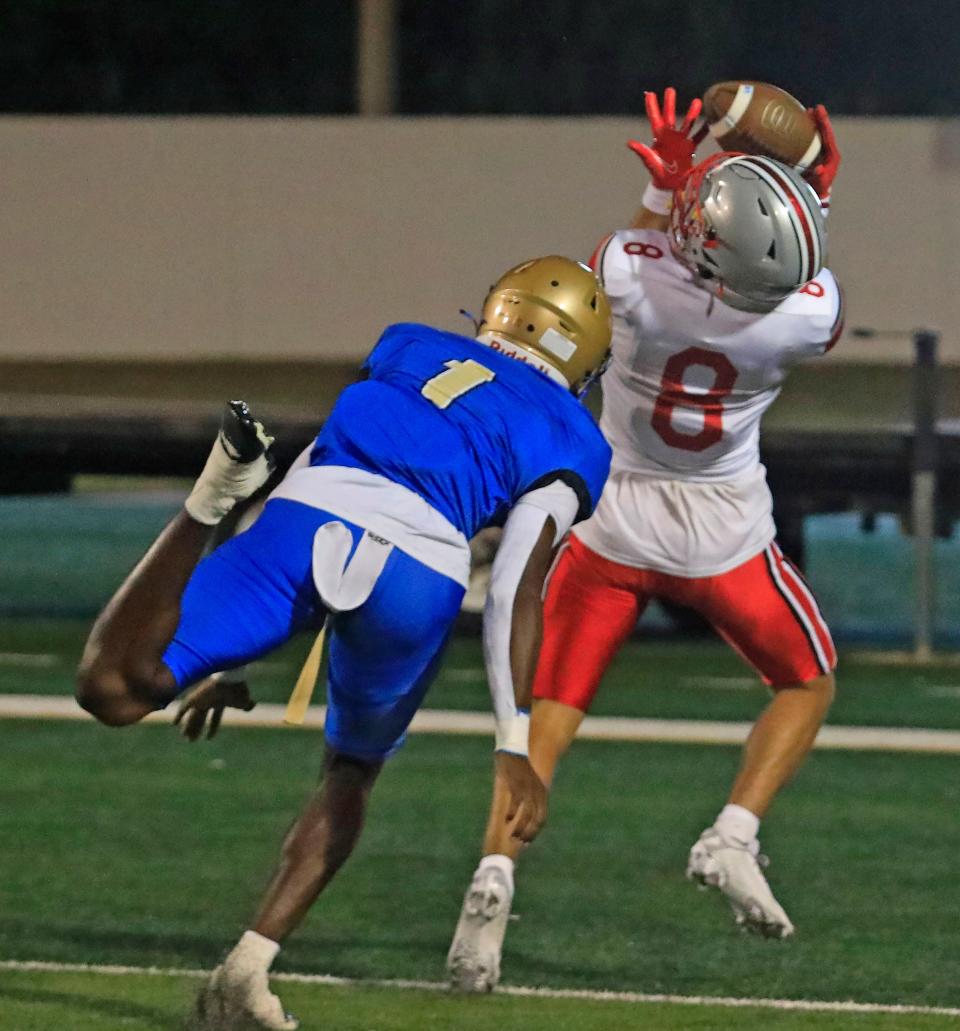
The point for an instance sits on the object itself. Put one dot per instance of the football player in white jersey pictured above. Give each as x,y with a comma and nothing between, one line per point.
717,290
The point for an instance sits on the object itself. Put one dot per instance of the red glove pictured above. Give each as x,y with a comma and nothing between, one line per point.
670,157
821,175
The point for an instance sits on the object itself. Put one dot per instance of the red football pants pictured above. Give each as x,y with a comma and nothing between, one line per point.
763,608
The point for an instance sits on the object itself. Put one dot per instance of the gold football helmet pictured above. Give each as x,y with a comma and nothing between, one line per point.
556,313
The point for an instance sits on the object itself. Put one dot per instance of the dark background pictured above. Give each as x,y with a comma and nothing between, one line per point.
473,56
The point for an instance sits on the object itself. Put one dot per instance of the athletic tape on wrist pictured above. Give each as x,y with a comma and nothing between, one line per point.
656,200
513,734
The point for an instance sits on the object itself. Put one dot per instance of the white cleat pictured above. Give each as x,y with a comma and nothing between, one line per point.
240,1000
473,961
735,867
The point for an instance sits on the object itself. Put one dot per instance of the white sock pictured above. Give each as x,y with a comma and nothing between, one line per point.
223,482
499,862
736,822
252,953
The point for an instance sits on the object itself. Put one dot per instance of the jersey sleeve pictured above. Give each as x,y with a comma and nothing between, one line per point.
821,306
557,500
623,262
610,262
580,462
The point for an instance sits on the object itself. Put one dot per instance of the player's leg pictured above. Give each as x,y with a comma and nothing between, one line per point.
383,656
767,613
122,676
776,624
591,605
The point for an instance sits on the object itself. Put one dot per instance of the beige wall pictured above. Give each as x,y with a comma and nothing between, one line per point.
296,237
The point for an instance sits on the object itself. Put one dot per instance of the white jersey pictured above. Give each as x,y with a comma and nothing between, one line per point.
689,380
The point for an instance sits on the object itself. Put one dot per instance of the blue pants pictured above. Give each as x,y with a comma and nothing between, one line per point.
257,590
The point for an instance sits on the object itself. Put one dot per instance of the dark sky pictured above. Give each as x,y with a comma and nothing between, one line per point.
474,56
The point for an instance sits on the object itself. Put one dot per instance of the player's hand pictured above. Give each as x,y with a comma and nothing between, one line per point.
527,808
822,174
208,699
670,156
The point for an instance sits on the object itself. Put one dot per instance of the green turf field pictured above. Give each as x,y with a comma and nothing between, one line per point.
663,679
131,847
82,1002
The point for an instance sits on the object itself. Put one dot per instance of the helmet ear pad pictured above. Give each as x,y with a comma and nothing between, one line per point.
555,310
750,229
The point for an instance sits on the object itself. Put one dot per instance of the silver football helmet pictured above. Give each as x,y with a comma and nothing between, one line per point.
749,228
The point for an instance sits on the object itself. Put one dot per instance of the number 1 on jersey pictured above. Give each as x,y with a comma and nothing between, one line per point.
459,377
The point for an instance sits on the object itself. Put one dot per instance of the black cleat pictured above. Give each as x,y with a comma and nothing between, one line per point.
243,437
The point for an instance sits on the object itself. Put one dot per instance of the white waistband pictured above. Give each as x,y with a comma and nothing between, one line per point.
387,509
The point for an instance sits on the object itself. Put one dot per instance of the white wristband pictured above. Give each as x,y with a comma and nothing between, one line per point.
513,733
656,200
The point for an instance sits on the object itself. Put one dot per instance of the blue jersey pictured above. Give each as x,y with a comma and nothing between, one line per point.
468,429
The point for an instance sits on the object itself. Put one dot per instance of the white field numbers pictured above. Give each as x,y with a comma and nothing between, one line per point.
457,378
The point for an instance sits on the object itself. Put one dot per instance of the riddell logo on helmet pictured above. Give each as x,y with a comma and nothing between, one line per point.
777,118
517,354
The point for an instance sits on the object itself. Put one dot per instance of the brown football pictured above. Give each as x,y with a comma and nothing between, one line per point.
761,119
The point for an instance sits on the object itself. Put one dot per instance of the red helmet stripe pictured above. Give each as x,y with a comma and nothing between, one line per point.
802,213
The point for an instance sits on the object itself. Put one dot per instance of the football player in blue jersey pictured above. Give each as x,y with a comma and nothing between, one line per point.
368,532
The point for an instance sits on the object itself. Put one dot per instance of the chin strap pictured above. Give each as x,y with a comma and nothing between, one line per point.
588,381
476,322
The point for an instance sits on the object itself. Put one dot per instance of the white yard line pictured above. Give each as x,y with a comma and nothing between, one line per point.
594,728
810,1005
29,660
874,657
941,690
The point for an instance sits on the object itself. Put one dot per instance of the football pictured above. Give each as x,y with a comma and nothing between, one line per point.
761,119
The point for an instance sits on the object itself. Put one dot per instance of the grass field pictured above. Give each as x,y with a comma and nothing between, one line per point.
86,1002
666,679
132,847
